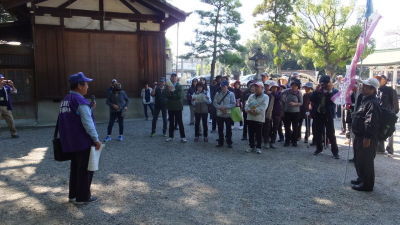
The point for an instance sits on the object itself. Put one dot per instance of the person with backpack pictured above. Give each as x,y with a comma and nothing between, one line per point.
147,99
365,127
224,101
323,112
291,100
388,99
200,101
256,107
7,88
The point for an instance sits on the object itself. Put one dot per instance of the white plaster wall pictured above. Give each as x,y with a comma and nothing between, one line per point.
79,22
47,19
150,26
142,9
115,6
52,3
85,5
120,25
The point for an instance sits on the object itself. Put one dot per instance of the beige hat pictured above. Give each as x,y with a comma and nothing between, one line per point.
373,82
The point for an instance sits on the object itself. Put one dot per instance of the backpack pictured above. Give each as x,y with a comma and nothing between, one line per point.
387,122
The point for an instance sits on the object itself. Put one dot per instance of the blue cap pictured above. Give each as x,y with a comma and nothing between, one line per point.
79,77
224,83
1,76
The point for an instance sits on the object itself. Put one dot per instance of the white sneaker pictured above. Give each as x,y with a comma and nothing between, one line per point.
258,151
183,140
241,128
249,150
169,139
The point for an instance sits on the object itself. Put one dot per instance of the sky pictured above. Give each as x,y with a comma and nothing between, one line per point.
389,9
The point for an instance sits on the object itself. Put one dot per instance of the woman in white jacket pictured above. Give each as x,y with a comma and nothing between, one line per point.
255,108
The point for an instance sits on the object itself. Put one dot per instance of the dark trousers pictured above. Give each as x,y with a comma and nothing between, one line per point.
213,116
276,121
113,117
245,125
156,113
364,161
255,133
175,116
307,121
325,123
80,178
266,131
280,129
151,106
291,122
221,121
203,117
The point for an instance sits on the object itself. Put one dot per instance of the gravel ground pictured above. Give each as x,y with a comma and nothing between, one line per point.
144,180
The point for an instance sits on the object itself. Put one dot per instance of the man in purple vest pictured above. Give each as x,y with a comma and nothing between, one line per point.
77,134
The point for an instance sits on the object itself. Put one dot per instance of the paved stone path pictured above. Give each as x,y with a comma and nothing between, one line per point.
144,180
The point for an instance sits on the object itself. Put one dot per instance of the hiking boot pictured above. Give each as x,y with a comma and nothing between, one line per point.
249,150
258,151
91,199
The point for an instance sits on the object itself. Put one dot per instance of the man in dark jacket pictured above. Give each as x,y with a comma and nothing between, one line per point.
388,99
323,110
365,128
160,105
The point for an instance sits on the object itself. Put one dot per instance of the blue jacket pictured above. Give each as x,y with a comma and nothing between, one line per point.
8,96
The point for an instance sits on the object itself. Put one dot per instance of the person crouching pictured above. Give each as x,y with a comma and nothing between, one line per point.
255,108
200,102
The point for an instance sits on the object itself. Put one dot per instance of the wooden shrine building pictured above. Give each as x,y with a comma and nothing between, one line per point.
105,39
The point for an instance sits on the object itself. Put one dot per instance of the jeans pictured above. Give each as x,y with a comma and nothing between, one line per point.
221,121
151,106
255,133
156,113
113,116
203,117
291,123
175,116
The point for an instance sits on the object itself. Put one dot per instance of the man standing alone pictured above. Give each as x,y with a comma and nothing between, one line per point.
6,89
365,128
77,135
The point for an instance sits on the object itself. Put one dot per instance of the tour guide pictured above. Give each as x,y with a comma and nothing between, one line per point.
77,134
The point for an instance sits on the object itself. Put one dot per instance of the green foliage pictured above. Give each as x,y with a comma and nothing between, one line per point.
328,38
218,30
277,21
5,16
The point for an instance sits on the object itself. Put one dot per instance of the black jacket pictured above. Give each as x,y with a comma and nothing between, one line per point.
388,98
366,118
316,98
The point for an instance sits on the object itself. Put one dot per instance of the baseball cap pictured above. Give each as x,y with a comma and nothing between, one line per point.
114,81
79,77
224,83
373,82
295,82
273,84
308,85
1,76
381,76
260,84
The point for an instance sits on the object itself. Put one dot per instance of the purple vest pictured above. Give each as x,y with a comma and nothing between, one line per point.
73,135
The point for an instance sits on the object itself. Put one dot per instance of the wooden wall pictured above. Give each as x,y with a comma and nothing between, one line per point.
131,58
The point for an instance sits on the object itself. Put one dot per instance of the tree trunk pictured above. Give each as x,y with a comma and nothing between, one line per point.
214,55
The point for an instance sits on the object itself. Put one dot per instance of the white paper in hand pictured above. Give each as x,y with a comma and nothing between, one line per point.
94,158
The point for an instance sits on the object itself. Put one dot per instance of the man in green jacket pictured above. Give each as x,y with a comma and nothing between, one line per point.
175,108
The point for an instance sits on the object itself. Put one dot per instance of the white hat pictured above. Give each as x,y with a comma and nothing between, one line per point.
274,84
373,82
260,84
268,82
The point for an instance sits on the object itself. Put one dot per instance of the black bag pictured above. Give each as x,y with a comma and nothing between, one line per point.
59,155
387,123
